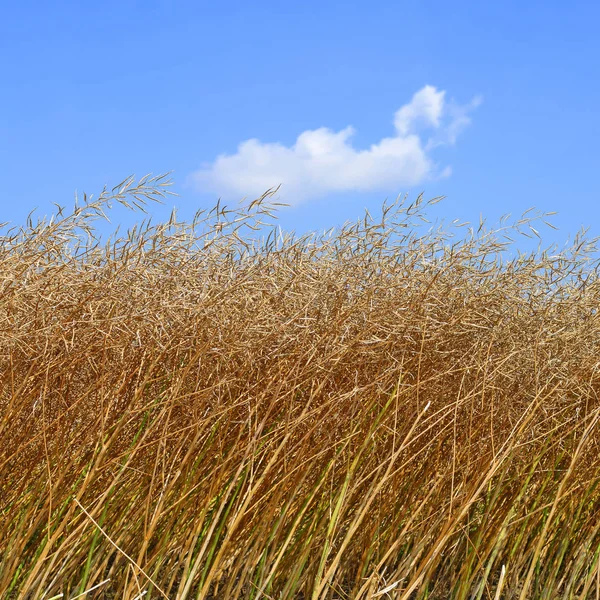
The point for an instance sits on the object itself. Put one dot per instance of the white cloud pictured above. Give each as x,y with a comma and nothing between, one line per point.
323,161
426,105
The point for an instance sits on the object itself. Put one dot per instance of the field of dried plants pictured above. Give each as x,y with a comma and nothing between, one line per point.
217,409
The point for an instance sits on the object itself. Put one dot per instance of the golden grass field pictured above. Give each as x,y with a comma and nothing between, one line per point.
195,410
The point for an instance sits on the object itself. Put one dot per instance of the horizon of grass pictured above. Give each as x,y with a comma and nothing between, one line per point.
193,410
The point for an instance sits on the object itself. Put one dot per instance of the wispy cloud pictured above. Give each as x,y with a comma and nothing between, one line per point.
323,161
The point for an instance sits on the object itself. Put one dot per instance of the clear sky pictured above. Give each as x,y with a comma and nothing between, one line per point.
492,104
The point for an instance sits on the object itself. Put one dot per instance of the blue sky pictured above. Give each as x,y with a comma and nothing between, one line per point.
500,105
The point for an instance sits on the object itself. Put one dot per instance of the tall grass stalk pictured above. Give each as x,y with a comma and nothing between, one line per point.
218,409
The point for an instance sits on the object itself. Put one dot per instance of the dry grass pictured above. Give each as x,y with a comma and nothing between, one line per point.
380,412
